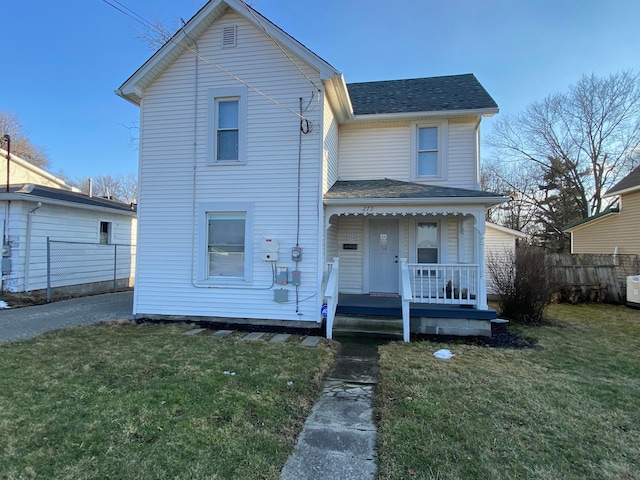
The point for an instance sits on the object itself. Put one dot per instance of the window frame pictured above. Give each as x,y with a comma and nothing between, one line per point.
109,232
202,260
214,97
441,164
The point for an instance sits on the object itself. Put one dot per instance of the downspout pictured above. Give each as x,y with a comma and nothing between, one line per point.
27,250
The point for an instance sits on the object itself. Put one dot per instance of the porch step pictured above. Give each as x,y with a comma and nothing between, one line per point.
367,325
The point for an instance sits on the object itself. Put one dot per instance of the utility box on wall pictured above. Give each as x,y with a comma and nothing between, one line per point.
281,295
269,250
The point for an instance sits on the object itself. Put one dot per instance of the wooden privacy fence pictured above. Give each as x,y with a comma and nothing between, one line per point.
593,277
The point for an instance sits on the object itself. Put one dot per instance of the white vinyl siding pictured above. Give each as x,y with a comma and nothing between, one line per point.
375,151
67,224
370,152
330,160
351,231
175,177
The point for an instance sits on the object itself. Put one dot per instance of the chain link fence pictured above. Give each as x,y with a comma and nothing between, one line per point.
83,267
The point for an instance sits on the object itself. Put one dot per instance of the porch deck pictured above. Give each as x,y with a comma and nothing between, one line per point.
352,304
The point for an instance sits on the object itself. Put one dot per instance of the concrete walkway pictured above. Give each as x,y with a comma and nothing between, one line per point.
339,437
28,322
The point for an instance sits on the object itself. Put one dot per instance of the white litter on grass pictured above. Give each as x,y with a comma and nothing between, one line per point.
443,354
227,372
289,383
3,304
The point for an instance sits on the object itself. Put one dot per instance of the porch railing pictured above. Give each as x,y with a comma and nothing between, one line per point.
448,284
331,295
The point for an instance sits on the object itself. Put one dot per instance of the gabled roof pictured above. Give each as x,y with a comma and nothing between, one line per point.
627,184
16,160
435,94
182,41
35,193
388,189
593,218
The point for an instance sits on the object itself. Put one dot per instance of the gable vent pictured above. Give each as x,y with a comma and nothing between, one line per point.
229,36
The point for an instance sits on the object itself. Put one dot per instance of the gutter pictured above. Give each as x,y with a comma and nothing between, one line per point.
63,203
390,117
417,201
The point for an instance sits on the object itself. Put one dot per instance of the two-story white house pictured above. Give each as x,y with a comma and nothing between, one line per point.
268,187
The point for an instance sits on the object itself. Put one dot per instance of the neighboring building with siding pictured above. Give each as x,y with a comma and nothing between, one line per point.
31,213
615,230
500,242
253,149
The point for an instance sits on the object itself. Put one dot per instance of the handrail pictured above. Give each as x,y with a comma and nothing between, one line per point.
407,298
331,295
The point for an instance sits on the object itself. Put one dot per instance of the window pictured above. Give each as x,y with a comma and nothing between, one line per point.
427,242
226,244
429,150
105,232
227,131
227,120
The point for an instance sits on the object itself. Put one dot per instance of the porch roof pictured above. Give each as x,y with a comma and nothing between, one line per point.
385,190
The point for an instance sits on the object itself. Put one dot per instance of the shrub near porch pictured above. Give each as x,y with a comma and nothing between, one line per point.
567,408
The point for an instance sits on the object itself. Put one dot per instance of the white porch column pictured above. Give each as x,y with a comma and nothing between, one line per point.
479,232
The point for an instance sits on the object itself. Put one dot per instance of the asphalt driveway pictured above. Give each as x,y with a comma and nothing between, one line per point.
29,322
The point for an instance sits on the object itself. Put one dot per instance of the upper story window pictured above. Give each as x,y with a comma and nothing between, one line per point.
227,129
429,151
227,125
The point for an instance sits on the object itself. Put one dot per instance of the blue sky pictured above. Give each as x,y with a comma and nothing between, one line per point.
62,61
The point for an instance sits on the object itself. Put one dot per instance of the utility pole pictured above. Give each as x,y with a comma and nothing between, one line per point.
7,137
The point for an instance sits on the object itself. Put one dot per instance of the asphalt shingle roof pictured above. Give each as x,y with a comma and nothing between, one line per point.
434,94
64,195
389,188
630,181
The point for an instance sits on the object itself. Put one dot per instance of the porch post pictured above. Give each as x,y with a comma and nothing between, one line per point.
480,260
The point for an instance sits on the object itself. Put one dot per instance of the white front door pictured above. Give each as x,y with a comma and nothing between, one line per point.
383,256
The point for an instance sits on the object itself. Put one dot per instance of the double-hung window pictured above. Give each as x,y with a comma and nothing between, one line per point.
427,242
429,151
227,125
225,243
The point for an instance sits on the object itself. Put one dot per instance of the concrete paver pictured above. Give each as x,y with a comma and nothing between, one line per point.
253,336
280,338
195,331
222,333
310,341
339,436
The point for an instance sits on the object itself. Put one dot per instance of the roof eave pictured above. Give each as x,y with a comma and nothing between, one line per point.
386,117
613,193
132,89
338,97
591,221
488,201
66,203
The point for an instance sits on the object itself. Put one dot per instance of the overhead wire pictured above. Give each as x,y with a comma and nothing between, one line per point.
140,19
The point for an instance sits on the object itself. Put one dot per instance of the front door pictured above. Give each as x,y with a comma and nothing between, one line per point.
383,256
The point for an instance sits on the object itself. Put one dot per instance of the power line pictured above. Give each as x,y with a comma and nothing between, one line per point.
140,19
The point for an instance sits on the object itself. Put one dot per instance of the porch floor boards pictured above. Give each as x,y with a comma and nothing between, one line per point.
352,304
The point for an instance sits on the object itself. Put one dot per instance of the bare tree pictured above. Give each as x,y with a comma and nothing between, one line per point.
585,139
21,146
116,187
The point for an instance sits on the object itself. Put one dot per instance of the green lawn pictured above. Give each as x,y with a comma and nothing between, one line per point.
145,402
568,409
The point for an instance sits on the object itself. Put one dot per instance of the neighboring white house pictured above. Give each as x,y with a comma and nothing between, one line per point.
259,166
30,213
500,242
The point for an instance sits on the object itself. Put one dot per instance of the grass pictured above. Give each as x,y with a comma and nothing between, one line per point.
567,409
145,402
